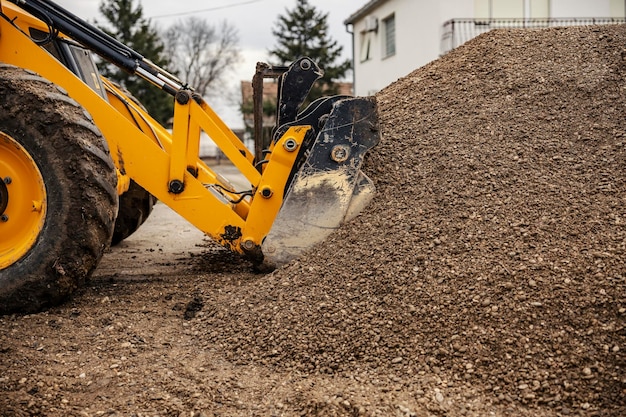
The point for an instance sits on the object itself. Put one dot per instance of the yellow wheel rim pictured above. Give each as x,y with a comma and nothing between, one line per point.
22,201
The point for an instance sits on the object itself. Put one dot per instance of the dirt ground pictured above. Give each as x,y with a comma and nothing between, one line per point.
486,279
130,344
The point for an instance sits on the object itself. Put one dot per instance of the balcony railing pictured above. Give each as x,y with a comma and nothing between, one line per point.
458,31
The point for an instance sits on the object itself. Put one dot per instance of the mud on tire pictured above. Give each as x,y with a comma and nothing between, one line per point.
80,183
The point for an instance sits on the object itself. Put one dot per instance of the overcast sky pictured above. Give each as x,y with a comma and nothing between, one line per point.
254,20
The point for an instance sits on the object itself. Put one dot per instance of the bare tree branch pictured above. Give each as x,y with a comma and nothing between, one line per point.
202,54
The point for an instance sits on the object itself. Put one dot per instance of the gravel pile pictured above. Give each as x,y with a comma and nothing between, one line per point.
495,253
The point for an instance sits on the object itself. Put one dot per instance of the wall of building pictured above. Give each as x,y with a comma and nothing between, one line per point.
547,8
418,29
587,8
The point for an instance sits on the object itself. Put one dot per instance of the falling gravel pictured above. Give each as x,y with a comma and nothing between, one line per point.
494,256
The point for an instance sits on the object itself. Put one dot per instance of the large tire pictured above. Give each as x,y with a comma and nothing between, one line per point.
135,206
71,158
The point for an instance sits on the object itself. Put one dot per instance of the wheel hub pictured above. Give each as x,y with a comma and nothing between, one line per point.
22,216
4,197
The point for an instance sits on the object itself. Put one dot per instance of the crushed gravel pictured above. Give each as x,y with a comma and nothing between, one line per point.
494,255
487,278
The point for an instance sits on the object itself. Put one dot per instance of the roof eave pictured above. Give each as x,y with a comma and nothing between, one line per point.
363,11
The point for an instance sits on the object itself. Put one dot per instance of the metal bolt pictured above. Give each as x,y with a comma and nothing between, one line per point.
248,244
290,145
183,97
176,186
266,192
7,180
305,64
340,153
4,218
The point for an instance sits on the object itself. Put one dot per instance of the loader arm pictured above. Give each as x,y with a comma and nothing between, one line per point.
311,170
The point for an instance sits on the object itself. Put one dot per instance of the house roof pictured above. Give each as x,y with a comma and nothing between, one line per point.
363,11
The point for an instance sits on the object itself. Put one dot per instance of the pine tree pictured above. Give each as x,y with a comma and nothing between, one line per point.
125,22
303,31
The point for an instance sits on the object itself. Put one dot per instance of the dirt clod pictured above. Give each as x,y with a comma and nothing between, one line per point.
193,307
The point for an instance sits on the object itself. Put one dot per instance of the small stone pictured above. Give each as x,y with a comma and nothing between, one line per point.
82,375
438,396
587,371
397,360
406,411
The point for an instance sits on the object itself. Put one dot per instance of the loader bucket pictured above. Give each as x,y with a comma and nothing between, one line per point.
328,187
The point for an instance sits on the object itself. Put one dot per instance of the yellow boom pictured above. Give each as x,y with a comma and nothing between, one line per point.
303,189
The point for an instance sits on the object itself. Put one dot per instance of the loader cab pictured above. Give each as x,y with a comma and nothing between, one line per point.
74,57
71,54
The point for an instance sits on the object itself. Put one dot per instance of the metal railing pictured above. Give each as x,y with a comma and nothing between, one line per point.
458,31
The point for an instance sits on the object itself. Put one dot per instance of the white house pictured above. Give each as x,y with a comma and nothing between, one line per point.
391,38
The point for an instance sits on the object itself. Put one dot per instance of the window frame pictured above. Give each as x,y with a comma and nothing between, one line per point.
389,36
365,53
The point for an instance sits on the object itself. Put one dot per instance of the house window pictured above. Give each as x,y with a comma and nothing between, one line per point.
389,32
366,46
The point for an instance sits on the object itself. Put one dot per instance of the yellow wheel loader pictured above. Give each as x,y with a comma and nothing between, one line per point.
81,162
